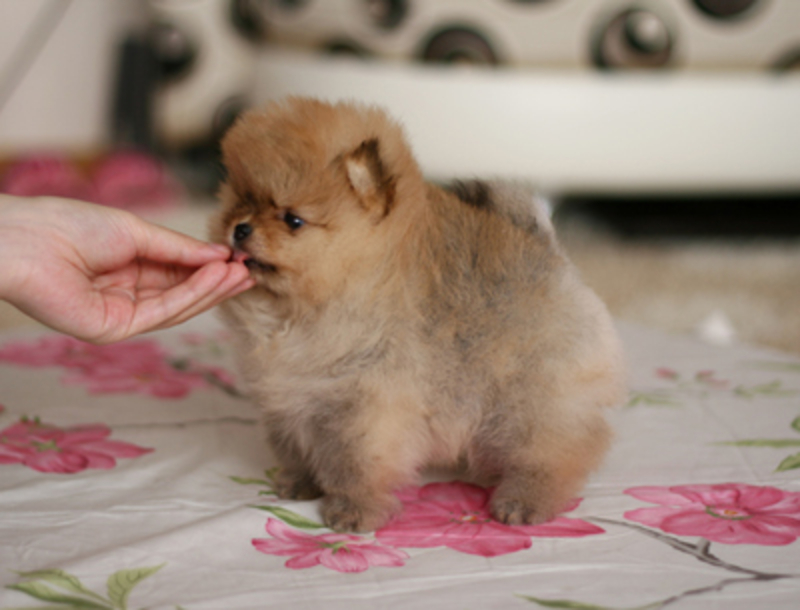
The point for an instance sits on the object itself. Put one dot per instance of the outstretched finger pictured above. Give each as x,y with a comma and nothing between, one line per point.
230,288
201,291
164,245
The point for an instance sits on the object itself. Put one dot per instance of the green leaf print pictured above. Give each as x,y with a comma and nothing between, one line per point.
789,367
567,604
246,481
42,592
268,481
562,603
572,605
790,463
121,583
63,580
654,399
775,443
772,389
291,518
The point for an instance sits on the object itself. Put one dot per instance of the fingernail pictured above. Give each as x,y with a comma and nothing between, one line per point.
224,250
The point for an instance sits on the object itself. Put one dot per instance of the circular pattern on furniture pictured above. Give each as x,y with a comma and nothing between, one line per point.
346,48
173,50
459,46
724,9
789,62
248,19
636,38
387,14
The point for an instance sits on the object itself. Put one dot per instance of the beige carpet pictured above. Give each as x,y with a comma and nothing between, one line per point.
727,291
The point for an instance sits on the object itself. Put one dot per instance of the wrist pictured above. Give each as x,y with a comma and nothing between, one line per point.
14,240
7,268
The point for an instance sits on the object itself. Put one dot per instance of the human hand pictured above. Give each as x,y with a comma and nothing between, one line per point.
102,274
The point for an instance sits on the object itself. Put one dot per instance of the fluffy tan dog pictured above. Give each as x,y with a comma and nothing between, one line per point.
396,325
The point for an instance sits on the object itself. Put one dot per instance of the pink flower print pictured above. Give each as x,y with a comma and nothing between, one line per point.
141,366
667,373
731,513
340,552
208,373
708,378
194,339
456,515
48,448
155,377
135,182
59,350
47,351
51,175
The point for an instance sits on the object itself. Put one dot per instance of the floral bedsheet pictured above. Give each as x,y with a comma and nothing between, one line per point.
135,476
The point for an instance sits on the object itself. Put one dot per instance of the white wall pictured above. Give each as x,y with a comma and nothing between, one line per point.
64,100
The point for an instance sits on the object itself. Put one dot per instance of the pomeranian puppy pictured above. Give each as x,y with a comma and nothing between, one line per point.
397,325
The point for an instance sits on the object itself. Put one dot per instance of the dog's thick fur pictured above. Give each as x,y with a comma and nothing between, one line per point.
397,325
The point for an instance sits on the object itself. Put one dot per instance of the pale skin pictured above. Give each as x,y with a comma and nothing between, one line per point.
104,275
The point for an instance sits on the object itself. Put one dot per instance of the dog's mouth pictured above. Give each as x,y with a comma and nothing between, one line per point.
252,263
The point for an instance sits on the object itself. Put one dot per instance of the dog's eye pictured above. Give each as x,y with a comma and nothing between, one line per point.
292,221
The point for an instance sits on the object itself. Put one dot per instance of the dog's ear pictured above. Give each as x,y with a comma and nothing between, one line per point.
370,181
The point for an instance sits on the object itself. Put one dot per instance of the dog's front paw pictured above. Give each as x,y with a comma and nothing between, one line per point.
342,514
293,486
519,511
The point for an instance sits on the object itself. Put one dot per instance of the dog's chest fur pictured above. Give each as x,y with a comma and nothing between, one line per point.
343,368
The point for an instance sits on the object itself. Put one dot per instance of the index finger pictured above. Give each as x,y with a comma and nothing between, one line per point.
163,245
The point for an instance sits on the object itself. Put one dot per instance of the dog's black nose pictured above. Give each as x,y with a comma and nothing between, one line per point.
241,232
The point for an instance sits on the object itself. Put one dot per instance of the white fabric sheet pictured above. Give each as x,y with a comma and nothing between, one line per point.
135,476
